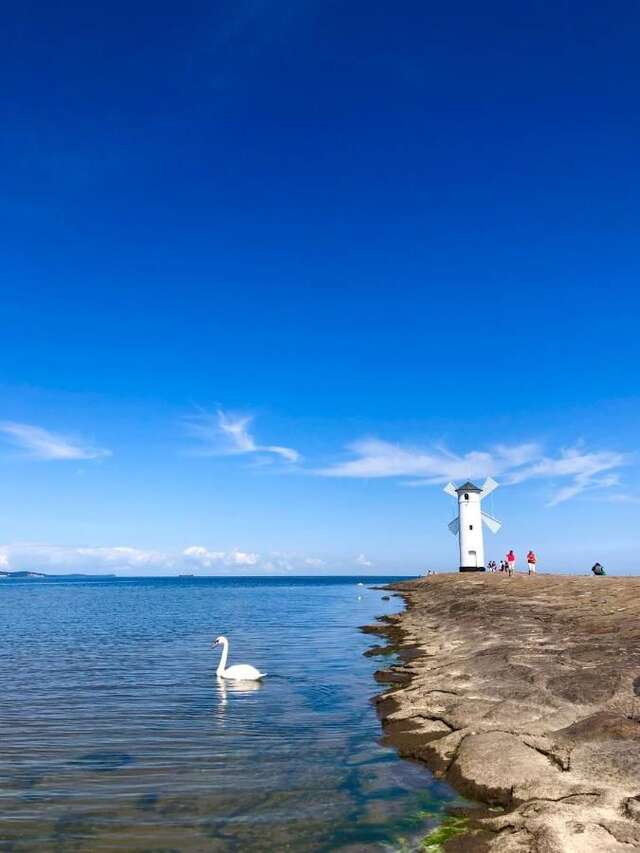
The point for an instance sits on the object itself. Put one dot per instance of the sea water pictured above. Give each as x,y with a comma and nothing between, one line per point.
115,733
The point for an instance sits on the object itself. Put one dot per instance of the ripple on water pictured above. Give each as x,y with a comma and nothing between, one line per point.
102,762
117,735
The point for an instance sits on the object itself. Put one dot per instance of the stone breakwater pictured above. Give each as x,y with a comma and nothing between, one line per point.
524,694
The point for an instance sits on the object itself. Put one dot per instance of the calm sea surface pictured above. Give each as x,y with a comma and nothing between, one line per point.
117,735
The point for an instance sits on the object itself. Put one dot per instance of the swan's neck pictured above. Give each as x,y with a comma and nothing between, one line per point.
223,658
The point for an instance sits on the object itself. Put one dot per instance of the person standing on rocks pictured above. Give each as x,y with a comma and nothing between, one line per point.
531,562
511,562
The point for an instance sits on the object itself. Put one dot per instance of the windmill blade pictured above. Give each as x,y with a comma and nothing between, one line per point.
492,523
450,489
454,526
489,485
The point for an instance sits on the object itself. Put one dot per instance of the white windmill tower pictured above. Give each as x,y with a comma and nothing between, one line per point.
468,525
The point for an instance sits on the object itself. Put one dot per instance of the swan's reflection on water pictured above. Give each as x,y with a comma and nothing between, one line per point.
226,689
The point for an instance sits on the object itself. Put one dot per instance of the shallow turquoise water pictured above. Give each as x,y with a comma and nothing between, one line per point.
117,735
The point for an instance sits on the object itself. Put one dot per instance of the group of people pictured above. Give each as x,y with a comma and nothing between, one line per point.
508,565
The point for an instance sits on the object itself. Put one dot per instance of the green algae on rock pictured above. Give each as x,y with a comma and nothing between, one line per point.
450,828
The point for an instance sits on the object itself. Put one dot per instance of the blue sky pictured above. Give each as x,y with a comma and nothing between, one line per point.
271,277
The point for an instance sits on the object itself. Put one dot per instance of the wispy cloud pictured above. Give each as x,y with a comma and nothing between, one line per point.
583,469
586,470
39,443
226,433
377,458
622,498
361,560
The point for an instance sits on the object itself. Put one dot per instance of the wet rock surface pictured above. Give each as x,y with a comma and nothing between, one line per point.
523,693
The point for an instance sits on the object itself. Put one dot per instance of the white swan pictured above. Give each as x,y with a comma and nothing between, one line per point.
239,672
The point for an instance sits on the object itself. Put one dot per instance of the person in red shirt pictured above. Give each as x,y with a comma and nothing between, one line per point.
511,562
531,561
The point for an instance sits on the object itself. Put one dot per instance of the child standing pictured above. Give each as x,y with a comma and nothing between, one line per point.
531,562
511,562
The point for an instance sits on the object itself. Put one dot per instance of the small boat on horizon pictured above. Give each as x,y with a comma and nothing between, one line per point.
186,576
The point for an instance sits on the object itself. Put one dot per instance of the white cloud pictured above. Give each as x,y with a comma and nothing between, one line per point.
127,560
39,443
228,434
518,463
209,559
202,555
241,558
123,555
36,556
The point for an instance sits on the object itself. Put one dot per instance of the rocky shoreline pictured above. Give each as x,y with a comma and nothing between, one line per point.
524,694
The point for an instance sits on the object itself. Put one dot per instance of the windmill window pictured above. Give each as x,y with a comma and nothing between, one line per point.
466,496
471,527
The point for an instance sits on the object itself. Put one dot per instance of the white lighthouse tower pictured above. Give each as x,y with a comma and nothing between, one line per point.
468,523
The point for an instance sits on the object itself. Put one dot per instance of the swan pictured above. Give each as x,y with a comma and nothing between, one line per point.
239,672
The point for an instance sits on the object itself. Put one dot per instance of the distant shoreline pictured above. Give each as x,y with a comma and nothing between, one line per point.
524,694
26,574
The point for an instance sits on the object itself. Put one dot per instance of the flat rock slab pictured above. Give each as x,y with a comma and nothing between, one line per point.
524,692
491,766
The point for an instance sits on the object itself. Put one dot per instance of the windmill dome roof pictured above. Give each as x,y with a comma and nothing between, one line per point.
468,487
